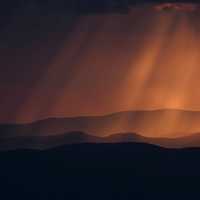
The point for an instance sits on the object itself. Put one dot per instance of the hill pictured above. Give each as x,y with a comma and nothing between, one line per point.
140,158
99,171
46,142
156,123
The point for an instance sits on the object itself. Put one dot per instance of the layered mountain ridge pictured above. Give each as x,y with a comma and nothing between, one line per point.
167,128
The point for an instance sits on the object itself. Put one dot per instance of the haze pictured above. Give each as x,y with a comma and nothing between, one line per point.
67,65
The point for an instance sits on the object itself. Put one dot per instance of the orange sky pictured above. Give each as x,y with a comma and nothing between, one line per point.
63,66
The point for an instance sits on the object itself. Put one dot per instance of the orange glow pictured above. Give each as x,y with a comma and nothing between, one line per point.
109,63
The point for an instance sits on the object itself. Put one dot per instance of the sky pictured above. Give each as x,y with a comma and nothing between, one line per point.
66,65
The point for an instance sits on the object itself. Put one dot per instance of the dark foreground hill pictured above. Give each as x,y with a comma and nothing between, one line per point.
95,171
139,158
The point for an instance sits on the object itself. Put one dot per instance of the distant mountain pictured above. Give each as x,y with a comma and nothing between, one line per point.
40,142
138,126
157,123
181,142
63,139
45,142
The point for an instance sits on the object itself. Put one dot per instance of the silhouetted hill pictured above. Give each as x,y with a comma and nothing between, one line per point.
163,123
117,127
140,158
97,171
181,142
41,142
45,142
192,140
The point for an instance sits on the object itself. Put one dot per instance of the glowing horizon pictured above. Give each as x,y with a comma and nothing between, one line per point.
106,63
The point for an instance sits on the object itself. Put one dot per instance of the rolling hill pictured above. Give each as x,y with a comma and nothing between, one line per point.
168,128
45,142
155,123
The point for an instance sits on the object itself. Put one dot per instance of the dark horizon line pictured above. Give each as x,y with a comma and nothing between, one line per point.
192,134
98,116
151,141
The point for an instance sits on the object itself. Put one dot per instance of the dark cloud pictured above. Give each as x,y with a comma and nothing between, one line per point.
181,7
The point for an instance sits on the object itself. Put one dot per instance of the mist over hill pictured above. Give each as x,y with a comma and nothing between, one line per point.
155,123
70,138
